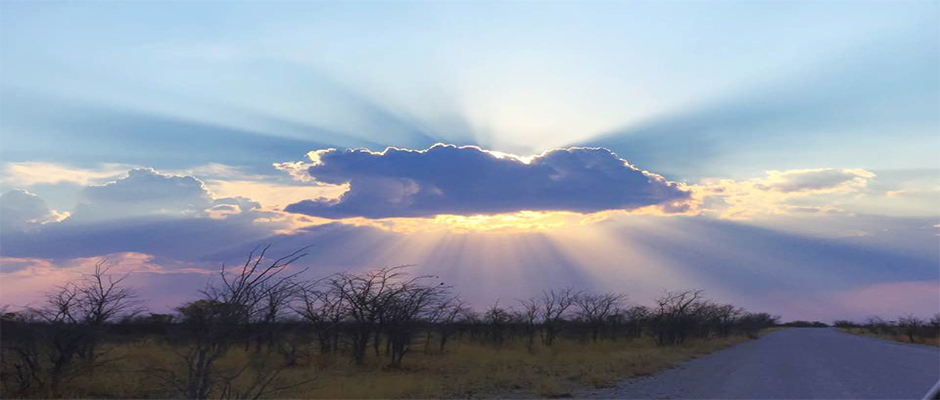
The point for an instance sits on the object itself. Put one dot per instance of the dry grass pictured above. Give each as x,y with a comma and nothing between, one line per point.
897,337
466,369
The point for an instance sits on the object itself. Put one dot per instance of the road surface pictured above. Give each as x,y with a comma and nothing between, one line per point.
795,363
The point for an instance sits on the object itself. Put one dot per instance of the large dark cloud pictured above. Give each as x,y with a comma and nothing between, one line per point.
446,179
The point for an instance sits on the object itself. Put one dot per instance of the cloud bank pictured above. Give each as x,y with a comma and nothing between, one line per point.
171,228
467,180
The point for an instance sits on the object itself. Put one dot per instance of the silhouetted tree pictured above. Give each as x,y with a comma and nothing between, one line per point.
553,308
496,319
58,341
598,309
636,318
910,325
325,309
214,323
673,318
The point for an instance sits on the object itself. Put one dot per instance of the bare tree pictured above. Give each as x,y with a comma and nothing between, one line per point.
275,299
752,323
444,316
216,321
496,319
726,316
636,317
553,308
324,309
65,345
910,325
102,296
673,317
529,317
373,299
410,303
598,309
876,325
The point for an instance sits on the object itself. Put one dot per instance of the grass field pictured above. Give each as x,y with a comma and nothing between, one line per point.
466,369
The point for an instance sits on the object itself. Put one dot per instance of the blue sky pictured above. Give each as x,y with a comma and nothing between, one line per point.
812,121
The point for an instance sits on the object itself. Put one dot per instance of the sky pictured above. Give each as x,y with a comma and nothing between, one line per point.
779,155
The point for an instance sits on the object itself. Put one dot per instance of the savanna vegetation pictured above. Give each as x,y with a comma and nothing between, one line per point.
909,329
263,331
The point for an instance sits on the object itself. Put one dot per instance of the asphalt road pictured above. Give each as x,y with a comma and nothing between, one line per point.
796,363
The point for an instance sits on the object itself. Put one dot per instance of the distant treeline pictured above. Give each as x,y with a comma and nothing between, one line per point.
805,324
260,307
914,329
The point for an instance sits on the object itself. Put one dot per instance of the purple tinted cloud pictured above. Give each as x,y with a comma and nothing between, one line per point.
143,192
447,179
21,210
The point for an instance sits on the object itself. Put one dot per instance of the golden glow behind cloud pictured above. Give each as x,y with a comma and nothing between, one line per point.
778,192
798,191
24,174
273,195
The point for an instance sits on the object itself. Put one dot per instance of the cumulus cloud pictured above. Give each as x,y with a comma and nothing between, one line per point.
143,192
229,206
21,210
148,193
241,204
298,169
447,179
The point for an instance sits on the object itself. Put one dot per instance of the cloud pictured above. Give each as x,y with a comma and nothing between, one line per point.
15,264
143,192
21,210
272,195
816,180
446,179
241,204
229,206
781,192
144,211
146,193
272,191
31,173
298,169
